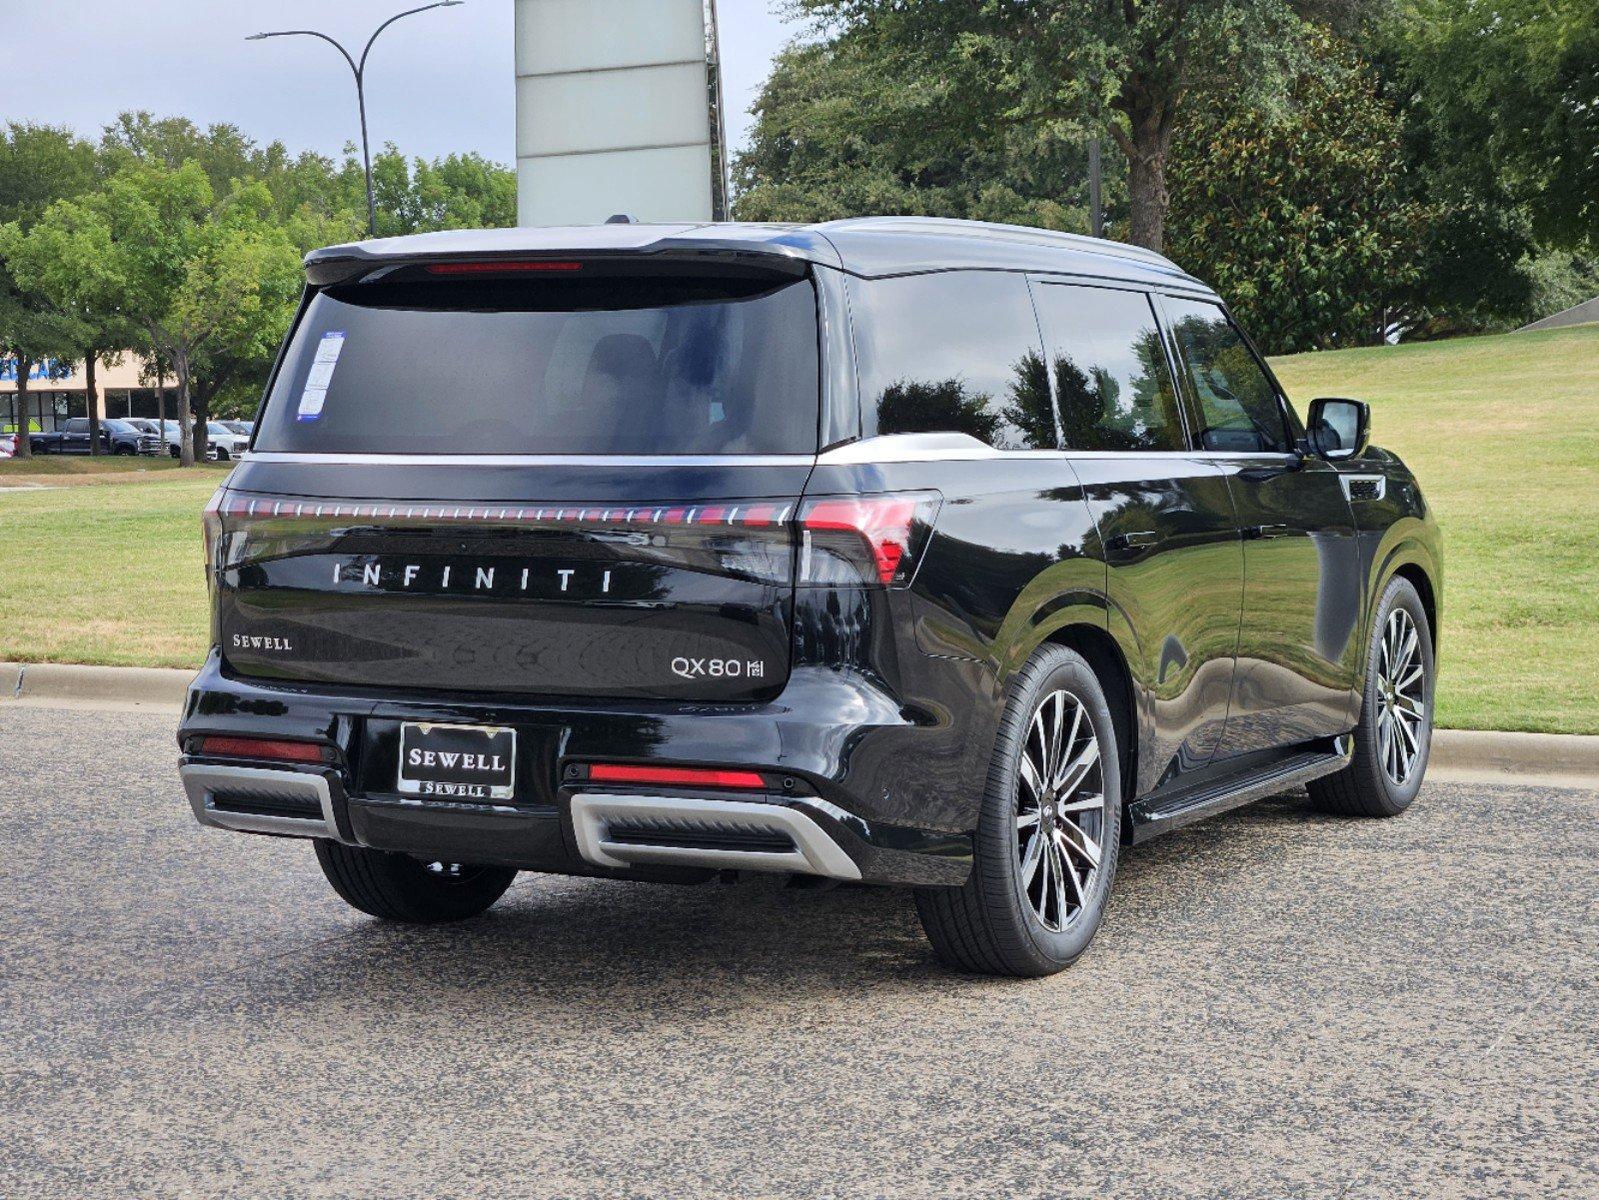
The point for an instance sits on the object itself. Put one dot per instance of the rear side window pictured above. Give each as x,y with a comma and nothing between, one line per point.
1112,381
952,352
599,365
1238,409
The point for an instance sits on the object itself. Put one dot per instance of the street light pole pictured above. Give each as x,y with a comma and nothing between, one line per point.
358,69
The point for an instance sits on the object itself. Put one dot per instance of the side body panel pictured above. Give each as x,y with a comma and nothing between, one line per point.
1299,643
1175,580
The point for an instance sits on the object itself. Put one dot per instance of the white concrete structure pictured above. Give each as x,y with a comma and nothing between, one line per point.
614,111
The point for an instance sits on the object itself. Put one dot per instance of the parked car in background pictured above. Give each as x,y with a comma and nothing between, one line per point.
117,436
897,551
242,427
8,445
224,442
219,442
130,437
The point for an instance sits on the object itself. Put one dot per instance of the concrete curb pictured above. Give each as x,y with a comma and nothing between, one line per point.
138,687
1539,755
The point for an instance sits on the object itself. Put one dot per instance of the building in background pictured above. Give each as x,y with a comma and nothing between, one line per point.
618,110
124,387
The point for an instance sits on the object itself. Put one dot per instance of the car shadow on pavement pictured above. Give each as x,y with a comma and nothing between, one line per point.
559,943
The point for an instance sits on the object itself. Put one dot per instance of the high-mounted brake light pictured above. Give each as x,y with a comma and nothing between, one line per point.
871,539
675,776
493,267
272,748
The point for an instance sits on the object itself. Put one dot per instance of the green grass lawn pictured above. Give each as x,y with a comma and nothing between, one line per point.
103,564
1503,434
104,572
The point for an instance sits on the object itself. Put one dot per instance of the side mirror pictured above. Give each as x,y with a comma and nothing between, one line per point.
1338,429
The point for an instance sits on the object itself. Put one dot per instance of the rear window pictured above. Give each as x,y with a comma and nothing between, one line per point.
602,365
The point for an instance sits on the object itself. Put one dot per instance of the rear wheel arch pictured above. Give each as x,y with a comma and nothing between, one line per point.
1104,656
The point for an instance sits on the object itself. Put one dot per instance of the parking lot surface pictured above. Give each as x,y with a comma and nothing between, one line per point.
1280,1004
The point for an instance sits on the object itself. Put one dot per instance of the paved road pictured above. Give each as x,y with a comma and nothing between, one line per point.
1281,1004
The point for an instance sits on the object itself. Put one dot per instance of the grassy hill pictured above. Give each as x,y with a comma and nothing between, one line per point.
103,565
1503,434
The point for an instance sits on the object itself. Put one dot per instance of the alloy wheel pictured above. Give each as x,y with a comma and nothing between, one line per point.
1060,810
1401,697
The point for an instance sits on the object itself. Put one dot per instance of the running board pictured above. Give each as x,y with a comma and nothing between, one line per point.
1163,814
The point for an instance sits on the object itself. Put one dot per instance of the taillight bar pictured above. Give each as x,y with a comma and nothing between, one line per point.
676,776
747,514
873,539
268,748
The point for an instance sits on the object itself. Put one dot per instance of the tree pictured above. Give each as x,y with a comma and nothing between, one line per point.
830,141
460,191
39,165
1129,70
1301,214
1505,99
204,281
66,261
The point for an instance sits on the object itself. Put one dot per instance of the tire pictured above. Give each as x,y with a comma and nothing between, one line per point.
397,887
222,455
1370,786
993,924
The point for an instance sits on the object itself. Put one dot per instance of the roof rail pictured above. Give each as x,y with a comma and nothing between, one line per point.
1025,234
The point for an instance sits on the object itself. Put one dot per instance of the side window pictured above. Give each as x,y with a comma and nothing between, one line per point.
955,352
1238,407
1111,378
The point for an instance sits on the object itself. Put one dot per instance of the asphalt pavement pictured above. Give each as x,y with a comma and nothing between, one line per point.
1281,1004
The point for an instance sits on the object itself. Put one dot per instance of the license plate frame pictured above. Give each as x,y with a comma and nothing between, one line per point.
434,779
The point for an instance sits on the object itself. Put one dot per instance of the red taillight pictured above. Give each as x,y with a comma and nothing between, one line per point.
494,268
243,747
873,539
675,776
211,531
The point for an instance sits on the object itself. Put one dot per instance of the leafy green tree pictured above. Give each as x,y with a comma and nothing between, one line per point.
39,165
831,140
204,281
1128,70
460,191
65,260
1504,96
1301,214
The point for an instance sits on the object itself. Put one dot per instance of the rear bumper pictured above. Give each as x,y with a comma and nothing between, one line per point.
822,822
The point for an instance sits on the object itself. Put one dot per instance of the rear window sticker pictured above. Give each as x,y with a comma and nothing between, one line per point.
315,393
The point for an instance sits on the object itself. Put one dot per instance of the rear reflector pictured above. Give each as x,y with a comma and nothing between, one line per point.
242,747
675,776
492,268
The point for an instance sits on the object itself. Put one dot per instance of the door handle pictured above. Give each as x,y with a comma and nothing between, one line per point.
1137,540
1267,531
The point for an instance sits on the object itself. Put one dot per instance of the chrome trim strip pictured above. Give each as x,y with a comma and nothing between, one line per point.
202,782
528,460
815,852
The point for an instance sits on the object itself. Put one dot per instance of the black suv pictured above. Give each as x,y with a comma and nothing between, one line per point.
906,552
116,437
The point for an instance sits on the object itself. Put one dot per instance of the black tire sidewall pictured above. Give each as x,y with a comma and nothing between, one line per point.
1054,669
1393,798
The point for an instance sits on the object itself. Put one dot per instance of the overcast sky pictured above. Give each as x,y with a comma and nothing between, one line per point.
436,82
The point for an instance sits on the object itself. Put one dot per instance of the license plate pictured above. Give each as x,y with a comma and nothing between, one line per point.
457,762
